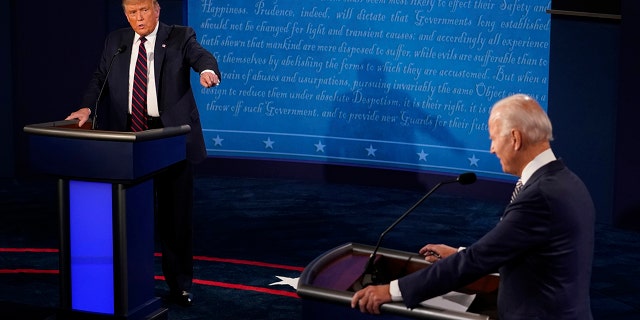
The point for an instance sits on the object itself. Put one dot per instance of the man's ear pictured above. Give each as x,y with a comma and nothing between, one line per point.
516,139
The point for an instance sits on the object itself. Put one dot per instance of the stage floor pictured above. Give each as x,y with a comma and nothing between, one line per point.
254,236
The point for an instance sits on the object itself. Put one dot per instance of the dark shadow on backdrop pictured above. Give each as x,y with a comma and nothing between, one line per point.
374,87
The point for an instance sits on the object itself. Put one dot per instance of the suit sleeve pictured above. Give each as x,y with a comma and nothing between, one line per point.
525,225
199,58
97,79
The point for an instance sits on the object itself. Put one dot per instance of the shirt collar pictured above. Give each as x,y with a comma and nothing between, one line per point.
538,162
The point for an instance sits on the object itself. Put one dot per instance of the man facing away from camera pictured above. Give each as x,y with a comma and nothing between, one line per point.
542,246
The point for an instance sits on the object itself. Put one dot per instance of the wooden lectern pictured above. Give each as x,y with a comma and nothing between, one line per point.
106,208
328,283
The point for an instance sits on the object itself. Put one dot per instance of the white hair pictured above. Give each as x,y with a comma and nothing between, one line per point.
524,113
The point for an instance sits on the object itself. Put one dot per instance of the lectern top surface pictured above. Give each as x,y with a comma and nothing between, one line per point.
69,129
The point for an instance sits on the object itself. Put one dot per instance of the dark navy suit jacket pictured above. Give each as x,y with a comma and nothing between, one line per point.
176,52
542,248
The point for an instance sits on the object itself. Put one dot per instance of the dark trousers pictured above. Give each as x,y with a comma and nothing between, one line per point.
174,211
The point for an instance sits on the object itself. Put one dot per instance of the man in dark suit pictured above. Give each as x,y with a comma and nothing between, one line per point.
542,246
167,54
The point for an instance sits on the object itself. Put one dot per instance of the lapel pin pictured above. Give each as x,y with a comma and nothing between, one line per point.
164,45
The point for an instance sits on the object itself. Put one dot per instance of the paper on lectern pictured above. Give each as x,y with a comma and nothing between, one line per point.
454,301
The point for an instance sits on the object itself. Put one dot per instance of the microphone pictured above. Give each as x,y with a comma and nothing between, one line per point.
465,178
370,269
95,113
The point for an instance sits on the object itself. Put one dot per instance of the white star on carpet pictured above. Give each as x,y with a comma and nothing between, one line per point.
285,281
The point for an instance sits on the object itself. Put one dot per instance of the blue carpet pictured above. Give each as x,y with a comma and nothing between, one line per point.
250,231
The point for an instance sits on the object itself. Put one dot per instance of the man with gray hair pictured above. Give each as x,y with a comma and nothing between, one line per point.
542,246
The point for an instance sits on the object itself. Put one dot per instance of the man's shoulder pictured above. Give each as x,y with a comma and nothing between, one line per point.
181,30
119,37
552,168
175,31
179,27
556,175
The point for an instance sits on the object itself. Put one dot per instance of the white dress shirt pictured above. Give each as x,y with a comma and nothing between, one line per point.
152,96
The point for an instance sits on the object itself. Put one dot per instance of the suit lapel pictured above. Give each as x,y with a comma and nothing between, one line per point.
160,51
120,71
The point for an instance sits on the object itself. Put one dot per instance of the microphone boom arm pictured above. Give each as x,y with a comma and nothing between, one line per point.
106,78
370,263
465,178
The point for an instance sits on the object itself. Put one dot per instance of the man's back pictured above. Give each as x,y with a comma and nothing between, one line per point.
543,248
549,278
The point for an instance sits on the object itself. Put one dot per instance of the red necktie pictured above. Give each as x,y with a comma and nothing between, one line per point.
139,95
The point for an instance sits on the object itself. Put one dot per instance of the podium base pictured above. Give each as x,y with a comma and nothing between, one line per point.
152,310
10,310
160,314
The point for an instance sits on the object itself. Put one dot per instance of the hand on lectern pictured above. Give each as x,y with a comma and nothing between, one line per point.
369,299
82,115
435,252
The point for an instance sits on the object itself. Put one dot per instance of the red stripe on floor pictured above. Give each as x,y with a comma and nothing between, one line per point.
195,281
240,287
31,271
199,258
22,250
248,262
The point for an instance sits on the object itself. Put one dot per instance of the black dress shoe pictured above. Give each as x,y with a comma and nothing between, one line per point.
183,298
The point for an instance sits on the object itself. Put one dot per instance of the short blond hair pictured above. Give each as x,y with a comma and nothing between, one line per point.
155,3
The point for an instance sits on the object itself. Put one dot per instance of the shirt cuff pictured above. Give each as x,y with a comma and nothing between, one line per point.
203,71
394,290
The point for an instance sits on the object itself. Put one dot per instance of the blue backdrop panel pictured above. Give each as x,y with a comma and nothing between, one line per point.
398,84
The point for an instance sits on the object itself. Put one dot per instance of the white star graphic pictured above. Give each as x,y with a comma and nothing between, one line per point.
268,144
371,151
473,161
285,281
217,141
319,146
422,155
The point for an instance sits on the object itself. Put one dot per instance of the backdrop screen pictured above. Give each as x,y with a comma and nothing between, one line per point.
397,84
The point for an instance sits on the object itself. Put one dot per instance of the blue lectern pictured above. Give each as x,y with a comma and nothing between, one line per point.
106,208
